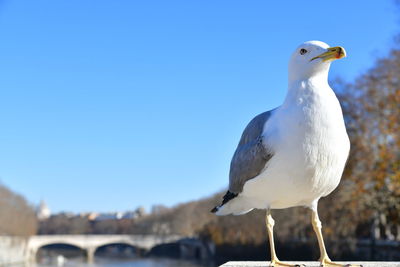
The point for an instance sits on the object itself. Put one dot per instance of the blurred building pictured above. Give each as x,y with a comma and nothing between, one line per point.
92,216
139,212
43,212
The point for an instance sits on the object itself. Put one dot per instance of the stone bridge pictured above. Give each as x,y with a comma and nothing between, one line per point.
90,243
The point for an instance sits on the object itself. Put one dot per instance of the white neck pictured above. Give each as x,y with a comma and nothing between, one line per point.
300,87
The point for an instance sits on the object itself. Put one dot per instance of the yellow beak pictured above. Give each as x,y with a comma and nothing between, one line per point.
333,53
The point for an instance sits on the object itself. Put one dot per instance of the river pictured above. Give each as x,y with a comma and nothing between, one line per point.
100,262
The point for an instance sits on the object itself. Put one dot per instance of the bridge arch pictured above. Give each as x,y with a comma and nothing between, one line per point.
60,242
125,249
40,241
60,245
90,243
118,242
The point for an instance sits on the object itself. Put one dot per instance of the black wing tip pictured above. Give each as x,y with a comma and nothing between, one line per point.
214,210
228,196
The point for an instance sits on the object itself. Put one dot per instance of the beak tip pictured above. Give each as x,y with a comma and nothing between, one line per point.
341,52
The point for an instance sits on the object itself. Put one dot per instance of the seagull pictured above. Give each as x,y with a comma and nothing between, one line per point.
294,154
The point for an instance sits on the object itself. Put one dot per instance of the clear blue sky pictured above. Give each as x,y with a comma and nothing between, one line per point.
107,105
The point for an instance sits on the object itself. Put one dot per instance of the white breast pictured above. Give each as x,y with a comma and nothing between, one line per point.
310,147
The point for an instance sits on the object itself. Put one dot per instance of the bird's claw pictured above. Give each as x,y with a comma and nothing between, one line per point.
277,263
329,263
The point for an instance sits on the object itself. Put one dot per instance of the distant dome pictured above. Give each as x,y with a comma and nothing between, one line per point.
43,212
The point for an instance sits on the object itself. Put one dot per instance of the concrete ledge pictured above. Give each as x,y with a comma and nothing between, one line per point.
311,263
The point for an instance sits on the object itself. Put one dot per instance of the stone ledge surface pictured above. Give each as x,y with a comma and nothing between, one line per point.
311,263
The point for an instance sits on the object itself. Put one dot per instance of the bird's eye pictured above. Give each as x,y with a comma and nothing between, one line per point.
303,51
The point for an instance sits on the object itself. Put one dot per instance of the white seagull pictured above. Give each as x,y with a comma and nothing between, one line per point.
295,154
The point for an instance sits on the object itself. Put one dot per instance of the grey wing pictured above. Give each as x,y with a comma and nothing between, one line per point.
251,155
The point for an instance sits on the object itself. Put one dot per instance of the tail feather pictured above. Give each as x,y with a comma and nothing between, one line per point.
215,209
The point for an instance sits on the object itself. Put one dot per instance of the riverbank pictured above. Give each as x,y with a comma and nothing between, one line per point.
13,250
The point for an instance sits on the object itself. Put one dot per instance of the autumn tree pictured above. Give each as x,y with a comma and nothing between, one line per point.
372,108
17,217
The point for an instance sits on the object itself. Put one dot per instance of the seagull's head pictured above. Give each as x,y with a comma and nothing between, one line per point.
313,58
